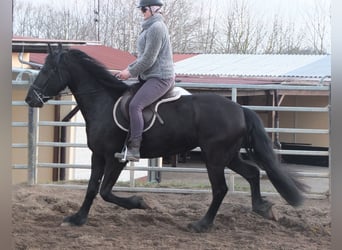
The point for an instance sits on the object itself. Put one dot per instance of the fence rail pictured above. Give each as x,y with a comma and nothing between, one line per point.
34,123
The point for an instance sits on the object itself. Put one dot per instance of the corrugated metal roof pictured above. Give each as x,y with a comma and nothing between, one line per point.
312,66
319,68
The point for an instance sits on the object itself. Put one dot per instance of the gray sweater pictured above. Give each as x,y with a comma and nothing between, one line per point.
154,51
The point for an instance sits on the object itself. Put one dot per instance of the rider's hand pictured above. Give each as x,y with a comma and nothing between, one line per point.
124,75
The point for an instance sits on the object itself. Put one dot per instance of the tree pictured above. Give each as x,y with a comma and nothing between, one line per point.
241,32
120,26
182,25
205,34
194,26
283,38
318,27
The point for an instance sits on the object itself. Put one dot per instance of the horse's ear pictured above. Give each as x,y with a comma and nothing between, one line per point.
49,49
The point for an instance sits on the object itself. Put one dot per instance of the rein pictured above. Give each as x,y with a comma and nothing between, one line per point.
84,92
39,91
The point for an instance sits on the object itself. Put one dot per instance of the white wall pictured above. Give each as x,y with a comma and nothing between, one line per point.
83,156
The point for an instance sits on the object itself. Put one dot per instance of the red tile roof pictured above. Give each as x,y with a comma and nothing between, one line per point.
180,57
112,59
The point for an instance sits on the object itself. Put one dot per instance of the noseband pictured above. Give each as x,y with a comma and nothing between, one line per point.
39,91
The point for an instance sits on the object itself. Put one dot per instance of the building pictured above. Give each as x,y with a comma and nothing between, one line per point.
208,71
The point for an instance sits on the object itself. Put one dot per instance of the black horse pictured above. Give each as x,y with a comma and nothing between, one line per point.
217,125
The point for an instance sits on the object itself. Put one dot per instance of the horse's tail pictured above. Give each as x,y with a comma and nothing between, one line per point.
259,148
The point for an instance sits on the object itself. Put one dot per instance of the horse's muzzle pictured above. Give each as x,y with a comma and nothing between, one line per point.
32,100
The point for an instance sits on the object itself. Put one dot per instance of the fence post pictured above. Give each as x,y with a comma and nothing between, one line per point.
131,175
234,94
155,176
33,116
231,179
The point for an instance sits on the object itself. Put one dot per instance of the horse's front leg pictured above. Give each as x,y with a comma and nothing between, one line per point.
97,169
112,172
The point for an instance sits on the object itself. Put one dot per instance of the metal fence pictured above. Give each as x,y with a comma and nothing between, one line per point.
25,77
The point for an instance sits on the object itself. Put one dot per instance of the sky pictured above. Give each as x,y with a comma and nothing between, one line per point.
286,8
289,9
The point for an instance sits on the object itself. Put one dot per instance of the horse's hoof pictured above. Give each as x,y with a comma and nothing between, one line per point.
144,205
198,227
137,202
74,220
65,224
266,211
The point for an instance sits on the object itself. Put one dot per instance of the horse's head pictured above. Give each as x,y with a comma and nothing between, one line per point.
51,80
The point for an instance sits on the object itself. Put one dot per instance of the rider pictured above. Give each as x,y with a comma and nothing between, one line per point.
153,66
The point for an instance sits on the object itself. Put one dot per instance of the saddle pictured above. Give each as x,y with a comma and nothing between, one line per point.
150,113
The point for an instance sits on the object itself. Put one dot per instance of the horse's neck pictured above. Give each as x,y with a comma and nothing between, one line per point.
91,95
92,99
93,107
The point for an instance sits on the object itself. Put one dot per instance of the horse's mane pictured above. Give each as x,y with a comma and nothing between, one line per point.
94,67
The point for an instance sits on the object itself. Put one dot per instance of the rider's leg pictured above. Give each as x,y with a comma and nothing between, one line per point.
149,92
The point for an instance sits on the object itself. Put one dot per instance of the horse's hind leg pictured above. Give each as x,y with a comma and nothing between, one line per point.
97,168
219,190
252,175
112,171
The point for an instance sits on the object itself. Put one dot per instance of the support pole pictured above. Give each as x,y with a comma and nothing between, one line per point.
33,135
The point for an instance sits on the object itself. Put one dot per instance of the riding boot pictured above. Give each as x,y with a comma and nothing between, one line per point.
133,150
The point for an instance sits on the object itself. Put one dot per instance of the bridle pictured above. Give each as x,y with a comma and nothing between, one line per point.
39,91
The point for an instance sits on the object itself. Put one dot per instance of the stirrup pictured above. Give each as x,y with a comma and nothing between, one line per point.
123,155
133,158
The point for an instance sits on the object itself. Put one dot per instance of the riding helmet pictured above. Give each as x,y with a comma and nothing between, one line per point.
144,3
